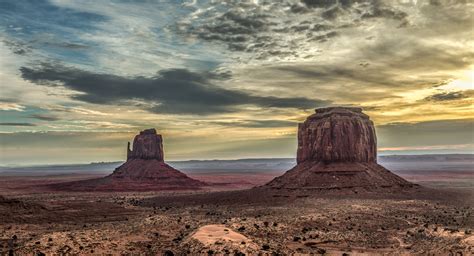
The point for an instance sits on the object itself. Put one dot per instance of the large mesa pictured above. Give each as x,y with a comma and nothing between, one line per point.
339,134
337,149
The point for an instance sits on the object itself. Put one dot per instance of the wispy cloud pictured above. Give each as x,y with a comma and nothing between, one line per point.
45,117
17,124
11,106
447,96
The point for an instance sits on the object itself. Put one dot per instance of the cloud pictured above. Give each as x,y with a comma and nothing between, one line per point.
395,70
176,91
286,30
254,68
448,96
8,104
17,124
17,47
45,117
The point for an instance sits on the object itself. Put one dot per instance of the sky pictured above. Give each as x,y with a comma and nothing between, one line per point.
229,79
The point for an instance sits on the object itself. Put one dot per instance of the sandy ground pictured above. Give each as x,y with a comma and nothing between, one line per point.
34,221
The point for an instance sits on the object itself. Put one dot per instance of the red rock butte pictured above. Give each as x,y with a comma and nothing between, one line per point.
144,170
337,148
147,145
337,135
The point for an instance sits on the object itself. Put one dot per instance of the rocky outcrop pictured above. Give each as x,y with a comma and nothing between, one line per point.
144,170
146,145
339,134
337,149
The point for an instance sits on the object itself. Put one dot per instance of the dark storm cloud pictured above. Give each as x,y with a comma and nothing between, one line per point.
178,91
45,117
17,124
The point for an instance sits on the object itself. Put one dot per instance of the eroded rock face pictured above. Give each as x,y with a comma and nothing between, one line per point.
146,145
337,134
337,150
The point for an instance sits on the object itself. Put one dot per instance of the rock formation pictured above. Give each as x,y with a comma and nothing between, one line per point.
337,148
144,170
337,135
146,145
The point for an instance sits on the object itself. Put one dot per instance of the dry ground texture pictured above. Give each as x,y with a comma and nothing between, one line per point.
251,222
436,219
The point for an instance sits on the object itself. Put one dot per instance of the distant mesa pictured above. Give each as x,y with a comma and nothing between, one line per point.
337,149
144,170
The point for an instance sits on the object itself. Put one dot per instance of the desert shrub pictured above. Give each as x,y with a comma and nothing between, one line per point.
168,253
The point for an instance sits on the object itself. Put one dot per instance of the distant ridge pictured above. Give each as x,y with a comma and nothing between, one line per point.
381,158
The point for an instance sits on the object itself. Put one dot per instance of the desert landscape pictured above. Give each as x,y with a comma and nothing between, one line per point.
246,207
237,127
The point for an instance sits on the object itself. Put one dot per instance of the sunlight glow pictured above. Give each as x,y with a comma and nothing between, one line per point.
466,82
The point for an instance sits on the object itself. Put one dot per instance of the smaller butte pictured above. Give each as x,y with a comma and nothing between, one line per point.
144,170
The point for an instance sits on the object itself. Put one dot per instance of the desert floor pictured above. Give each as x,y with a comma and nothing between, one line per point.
229,219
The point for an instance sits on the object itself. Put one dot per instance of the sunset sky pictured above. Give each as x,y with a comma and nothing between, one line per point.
229,79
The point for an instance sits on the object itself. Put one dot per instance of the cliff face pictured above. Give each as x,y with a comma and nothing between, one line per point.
339,134
146,145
